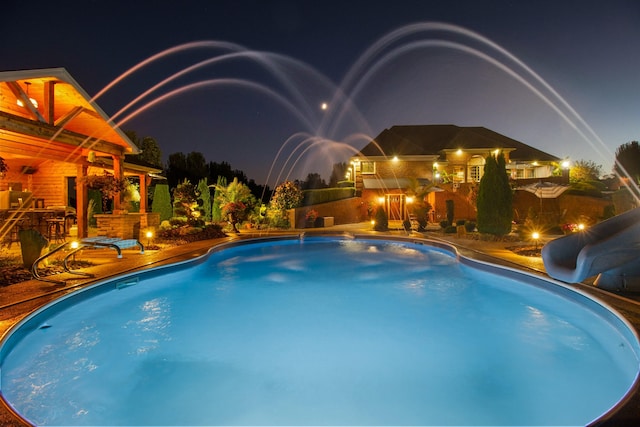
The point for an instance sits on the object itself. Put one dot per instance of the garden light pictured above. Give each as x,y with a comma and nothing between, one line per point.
535,236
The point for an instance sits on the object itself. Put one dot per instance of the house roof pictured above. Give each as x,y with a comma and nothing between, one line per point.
422,140
46,113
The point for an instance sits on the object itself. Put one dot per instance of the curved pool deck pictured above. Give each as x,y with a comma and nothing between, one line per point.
16,301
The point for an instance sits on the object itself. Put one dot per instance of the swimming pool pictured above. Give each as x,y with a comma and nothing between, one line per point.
321,330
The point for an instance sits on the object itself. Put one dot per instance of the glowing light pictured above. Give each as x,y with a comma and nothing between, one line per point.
565,164
33,102
581,227
459,152
75,244
395,158
535,235
409,199
324,106
435,165
381,200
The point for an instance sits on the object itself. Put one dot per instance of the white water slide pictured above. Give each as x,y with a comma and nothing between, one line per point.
610,250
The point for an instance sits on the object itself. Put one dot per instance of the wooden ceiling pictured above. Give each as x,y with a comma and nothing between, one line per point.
46,113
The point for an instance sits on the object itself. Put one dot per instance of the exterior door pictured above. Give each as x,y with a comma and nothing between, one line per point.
395,206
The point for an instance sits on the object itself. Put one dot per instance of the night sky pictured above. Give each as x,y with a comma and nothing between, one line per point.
272,64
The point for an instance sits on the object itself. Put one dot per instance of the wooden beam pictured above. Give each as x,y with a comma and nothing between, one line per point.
22,95
71,114
43,131
49,101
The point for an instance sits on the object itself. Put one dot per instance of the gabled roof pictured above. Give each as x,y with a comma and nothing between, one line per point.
49,106
423,140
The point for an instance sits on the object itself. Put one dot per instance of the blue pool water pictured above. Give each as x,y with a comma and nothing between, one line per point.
321,331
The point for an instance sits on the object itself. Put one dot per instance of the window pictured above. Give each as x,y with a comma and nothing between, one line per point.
475,168
367,167
474,172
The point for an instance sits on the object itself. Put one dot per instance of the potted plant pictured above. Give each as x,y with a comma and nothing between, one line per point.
3,168
108,185
310,218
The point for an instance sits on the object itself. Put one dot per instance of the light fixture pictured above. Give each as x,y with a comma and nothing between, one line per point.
536,236
33,101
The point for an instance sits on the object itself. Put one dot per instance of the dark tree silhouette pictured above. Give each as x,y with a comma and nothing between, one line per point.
628,161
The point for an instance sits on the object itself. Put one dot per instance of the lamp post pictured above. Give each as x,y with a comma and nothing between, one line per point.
536,236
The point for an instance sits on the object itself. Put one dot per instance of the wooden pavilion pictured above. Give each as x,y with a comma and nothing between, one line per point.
52,136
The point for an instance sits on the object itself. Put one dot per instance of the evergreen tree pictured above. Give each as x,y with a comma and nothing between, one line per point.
216,211
495,199
628,161
205,198
162,202
185,204
382,220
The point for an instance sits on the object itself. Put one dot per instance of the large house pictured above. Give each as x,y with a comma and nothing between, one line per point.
445,160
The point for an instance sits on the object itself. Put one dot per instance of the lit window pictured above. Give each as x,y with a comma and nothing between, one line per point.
368,167
474,171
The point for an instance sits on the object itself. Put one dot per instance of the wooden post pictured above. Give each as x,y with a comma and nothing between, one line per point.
118,173
82,201
143,192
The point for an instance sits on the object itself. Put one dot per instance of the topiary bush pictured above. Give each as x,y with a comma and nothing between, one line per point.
382,221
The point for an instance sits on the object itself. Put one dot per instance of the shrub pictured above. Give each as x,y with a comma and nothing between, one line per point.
161,203
470,226
451,229
450,210
444,223
461,221
382,221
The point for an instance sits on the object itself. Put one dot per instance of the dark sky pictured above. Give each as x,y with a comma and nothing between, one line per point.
260,106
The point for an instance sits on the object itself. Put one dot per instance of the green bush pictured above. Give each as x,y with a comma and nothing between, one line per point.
451,229
382,221
470,226
444,223
161,203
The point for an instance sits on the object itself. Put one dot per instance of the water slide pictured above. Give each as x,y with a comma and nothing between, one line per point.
609,250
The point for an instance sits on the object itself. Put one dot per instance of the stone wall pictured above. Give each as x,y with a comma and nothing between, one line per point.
346,211
127,226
